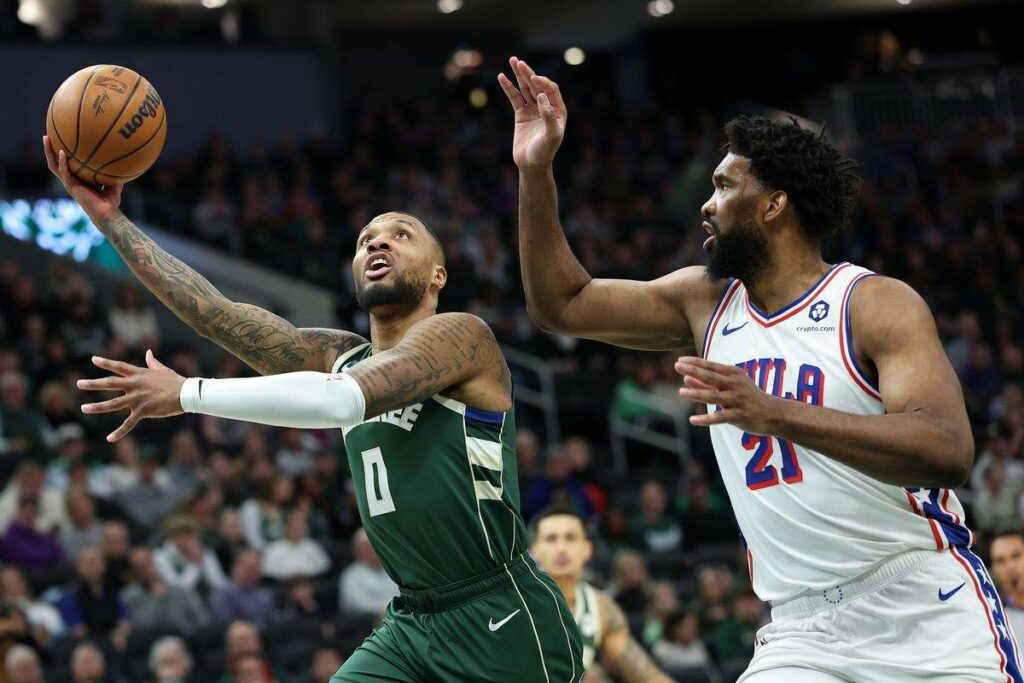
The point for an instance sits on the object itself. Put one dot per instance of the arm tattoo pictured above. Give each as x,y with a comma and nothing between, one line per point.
437,353
263,340
633,664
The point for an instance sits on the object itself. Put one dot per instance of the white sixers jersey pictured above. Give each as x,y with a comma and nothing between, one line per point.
809,521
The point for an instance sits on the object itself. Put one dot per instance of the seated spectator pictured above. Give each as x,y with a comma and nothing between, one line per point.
88,665
92,607
24,546
995,506
241,640
184,458
82,528
116,548
14,630
295,452
43,617
263,516
714,585
230,538
661,604
1000,445
30,481
300,602
326,662
629,581
132,320
733,640
183,561
364,587
682,647
1007,553
22,665
71,450
23,427
120,475
152,496
653,530
296,555
558,486
153,603
243,597
254,669
170,661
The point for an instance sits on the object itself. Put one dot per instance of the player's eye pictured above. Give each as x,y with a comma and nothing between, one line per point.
402,233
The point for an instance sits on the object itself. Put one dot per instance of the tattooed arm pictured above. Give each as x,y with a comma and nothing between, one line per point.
453,353
265,341
620,652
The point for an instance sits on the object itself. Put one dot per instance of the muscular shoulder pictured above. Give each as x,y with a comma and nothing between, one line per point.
695,294
885,312
613,619
330,344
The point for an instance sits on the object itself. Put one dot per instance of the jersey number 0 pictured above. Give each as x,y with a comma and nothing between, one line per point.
378,494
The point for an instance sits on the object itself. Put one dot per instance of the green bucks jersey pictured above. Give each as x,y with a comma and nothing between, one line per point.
588,618
437,488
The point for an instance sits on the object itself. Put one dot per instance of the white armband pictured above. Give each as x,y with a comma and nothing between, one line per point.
306,400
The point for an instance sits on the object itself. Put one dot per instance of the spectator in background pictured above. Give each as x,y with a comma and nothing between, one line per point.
71,450
1000,446
1007,563
22,665
263,516
652,530
152,496
681,648
85,333
21,426
92,607
116,549
326,662
230,537
295,453
296,555
184,562
241,640
132,321
29,481
733,640
215,219
170,661
253,669
88,665
43,617
184,459
629,582
120,475
82,528
661,603
301,602
995,506
364,586
56,403
243,597
714,585
38,554
152,603
558,486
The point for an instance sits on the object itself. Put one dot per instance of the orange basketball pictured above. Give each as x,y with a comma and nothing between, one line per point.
111,123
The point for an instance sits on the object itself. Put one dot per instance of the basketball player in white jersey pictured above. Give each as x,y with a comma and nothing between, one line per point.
559,544
837,420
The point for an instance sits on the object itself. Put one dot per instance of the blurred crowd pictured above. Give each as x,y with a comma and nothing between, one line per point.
203,550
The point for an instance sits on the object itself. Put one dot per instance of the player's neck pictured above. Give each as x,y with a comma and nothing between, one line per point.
790,273
387,327
567,584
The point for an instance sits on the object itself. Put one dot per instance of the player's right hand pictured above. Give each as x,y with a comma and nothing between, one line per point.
97,203
540,116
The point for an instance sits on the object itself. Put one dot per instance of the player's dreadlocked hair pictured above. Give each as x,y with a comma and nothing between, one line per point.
820,182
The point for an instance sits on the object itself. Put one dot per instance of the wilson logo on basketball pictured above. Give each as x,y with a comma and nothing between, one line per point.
112,83
146,110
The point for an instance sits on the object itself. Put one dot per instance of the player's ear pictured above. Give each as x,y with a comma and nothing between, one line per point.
776,204
440,277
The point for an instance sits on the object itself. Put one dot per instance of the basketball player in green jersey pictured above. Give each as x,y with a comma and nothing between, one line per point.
426,410
561,546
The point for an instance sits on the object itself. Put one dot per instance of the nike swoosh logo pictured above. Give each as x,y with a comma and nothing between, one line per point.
494,627
726,331
946,596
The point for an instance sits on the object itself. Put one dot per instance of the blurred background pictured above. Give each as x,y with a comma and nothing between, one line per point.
206,550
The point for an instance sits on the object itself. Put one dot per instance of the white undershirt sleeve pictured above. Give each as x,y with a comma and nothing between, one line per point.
306,400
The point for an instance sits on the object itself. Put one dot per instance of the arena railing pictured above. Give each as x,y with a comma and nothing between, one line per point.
539,389
665,412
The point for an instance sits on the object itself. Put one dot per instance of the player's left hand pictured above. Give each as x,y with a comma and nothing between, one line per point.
152,391
742,403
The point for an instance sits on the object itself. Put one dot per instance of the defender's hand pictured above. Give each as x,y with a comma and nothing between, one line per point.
97,203
741,402
152,391
540,116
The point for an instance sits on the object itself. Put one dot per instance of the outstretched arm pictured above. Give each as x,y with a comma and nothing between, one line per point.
561,295
448,352
923,439
620,652
263,340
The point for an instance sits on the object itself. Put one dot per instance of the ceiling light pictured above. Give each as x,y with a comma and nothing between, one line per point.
904,2
30,12
659,8
448,6
574,56
214,4
478,98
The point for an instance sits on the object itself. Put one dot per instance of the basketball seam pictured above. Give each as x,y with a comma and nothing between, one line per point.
60,138
81,100
114,121
163,121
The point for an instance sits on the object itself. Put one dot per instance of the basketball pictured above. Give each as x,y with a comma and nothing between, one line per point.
111,123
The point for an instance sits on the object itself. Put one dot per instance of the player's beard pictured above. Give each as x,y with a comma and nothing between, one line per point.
740,252
401,290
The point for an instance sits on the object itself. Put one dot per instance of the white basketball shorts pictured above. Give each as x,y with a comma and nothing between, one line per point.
921,616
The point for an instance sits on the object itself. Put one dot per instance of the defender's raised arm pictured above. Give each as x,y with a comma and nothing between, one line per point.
561,295
266,342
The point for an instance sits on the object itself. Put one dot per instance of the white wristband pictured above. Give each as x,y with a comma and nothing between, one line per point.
309,400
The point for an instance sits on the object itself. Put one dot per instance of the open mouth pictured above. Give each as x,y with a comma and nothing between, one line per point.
709,243
378,267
